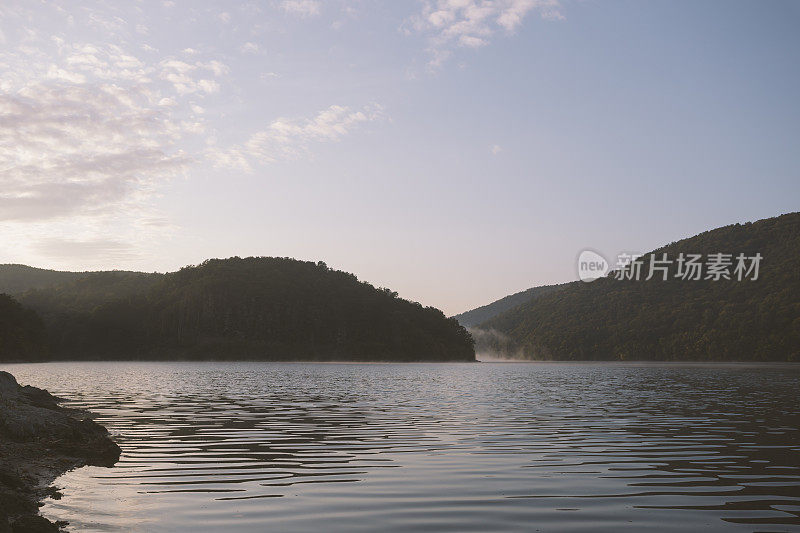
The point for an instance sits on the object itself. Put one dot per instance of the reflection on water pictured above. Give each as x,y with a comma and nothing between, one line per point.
461,447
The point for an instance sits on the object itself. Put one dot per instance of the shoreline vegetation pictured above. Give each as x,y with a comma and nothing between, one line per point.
39,441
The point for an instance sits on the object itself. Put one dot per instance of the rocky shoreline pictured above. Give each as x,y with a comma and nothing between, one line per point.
39,441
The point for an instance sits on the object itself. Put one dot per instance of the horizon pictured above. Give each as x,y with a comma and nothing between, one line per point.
453,154
449,314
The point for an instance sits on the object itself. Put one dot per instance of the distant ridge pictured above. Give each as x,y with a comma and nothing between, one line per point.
485,312
16,279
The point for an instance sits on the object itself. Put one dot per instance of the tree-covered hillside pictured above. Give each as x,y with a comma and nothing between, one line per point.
21,332
485,312
15,279
259,307
676,319
88,291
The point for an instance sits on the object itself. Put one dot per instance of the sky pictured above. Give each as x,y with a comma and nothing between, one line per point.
455,151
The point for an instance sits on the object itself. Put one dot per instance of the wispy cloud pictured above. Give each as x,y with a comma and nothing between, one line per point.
185,79
91,132
303,8
249,48
100,116
76,249
453,24
92,128
286,138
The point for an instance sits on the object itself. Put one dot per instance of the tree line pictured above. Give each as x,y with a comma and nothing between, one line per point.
240,308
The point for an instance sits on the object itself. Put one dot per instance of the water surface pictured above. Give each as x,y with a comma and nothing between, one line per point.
463,447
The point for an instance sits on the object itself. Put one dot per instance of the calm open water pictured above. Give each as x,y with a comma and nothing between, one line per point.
461,447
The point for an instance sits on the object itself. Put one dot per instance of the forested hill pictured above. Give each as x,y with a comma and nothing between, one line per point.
676,319
485,312
16,279
254,308
87,291
22,334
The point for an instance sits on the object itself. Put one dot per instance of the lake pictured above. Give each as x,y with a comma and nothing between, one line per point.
462,447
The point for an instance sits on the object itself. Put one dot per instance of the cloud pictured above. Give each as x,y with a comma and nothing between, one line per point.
303,8
111,24
266,76
217,67
72,249
81,149
183,76
452,24
249,48
95,123
55,73
286,138
91,132
472,42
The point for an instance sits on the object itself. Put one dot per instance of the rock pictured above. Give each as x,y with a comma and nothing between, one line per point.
40,397
8,385
35,524
39,440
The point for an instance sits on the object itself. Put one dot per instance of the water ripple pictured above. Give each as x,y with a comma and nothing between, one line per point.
460,447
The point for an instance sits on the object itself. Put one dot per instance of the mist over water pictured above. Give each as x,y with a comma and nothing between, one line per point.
460,447
492,345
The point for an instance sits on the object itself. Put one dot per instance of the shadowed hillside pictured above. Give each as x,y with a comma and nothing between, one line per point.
16,279
676,319
90,290
488,311
254,308
21,332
